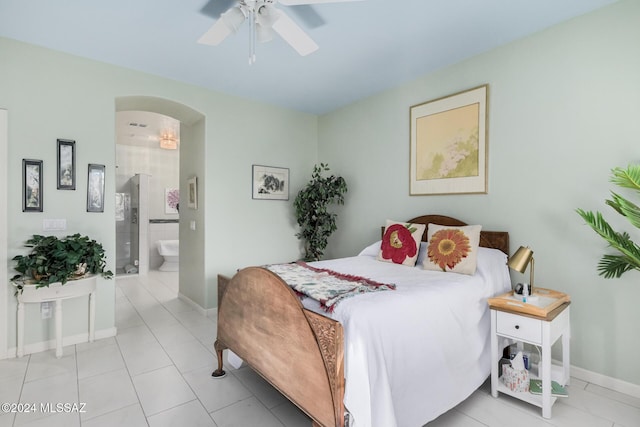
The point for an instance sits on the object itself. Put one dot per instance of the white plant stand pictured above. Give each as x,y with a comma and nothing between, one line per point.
56,292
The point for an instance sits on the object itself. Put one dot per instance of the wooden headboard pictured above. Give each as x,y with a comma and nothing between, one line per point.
488,239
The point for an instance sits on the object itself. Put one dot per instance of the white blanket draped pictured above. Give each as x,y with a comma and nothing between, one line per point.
416,352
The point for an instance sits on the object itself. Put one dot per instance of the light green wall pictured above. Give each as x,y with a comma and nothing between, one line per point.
563,110
52,95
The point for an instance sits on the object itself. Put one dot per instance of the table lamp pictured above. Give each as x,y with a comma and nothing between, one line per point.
519,262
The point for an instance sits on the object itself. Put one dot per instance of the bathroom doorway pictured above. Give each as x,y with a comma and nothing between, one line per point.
147,188
192,283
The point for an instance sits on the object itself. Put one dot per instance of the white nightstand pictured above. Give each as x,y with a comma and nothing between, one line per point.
508,326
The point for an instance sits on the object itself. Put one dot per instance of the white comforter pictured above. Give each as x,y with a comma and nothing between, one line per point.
416,352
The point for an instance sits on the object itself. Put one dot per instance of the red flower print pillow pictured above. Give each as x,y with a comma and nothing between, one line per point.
401,243
452,249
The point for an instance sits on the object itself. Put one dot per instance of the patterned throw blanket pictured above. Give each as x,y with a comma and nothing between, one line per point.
325,286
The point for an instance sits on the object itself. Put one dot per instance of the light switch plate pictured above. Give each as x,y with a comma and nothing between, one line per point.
54,224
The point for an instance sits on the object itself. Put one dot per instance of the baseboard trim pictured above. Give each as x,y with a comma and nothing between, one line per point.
204,311
41,346
601,380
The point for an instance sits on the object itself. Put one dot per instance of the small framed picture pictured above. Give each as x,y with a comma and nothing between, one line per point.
66,164
171,200
270,183
31,185
192,192
95,188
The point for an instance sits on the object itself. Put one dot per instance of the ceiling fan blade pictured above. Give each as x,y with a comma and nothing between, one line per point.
299,2
294,35
308,15
216,34
215,8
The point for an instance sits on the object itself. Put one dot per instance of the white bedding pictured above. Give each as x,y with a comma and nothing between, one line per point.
416,352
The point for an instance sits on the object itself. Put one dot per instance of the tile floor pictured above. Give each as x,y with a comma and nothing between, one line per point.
156,372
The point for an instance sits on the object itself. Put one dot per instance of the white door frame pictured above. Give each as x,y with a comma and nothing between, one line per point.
4,274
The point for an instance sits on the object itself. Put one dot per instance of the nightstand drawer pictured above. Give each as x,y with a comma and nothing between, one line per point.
519,327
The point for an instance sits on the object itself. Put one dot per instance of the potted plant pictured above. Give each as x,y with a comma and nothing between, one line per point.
311,204
628,253
52,259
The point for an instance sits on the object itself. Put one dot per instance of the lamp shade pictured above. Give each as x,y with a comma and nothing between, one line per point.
521,259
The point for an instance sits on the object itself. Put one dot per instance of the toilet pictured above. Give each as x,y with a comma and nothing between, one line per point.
170,250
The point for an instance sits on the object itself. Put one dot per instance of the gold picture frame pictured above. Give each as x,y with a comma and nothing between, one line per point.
448,153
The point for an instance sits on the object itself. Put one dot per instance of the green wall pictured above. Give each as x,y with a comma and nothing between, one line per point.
52,95
563,110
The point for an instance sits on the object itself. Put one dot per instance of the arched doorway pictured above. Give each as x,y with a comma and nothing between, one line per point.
191,224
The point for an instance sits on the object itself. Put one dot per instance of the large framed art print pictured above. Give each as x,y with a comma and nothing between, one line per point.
449,144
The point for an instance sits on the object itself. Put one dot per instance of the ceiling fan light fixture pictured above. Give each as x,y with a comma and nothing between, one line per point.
233,18
264,34
267,16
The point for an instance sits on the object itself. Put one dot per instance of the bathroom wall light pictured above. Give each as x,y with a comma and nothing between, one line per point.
168,141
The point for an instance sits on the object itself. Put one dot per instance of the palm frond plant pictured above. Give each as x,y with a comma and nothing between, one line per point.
311,205
627,256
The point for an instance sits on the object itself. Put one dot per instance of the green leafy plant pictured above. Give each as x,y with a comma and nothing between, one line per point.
628,256
311,204
52,259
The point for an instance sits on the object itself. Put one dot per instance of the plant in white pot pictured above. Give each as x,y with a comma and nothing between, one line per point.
52,259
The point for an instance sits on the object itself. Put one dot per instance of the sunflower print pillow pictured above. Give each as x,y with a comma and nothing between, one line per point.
452,249
401,243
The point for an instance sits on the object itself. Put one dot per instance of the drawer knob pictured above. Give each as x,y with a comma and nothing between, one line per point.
517,326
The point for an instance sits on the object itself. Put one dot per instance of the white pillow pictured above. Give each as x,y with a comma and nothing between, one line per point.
371,250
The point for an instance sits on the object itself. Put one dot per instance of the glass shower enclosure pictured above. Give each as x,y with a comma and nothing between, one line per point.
131,219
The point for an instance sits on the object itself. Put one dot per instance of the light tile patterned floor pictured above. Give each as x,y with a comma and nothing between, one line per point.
157,372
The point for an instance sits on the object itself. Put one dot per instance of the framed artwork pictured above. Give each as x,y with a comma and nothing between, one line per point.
95,188
31,185
192,192
448,153
270,183
66,164
171,200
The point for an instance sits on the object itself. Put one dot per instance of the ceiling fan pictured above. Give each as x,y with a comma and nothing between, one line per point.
265,20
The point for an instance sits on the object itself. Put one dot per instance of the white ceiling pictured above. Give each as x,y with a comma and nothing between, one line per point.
365,46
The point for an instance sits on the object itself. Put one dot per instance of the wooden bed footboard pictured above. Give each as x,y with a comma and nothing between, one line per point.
299,352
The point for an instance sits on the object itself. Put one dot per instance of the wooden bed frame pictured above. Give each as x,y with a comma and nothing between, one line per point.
298,351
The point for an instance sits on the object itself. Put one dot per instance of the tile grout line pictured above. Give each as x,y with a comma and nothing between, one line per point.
172,361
